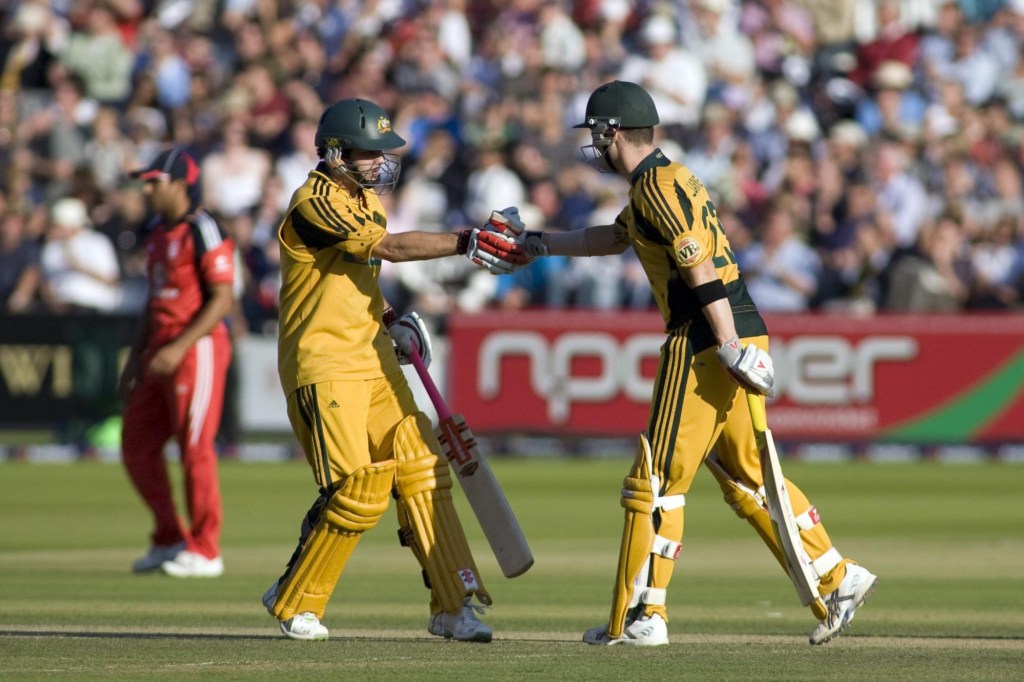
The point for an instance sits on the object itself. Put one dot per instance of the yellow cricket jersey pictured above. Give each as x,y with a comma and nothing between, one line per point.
330,312
672,224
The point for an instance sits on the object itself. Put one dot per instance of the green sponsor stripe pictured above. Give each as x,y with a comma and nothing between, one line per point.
968,413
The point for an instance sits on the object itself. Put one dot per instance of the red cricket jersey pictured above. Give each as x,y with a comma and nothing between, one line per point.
182,260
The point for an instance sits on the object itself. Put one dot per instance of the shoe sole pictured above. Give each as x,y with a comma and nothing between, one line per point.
192,575
302,638
480,638
604,640
845,625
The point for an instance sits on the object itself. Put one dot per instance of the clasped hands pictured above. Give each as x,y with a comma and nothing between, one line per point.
499,246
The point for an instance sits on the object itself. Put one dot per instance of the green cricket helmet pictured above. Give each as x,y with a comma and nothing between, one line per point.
359,125
620,104
356,124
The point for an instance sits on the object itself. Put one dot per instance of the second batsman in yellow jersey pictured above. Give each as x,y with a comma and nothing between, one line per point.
715,353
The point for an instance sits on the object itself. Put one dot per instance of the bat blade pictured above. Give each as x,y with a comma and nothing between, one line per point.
780,511
485,496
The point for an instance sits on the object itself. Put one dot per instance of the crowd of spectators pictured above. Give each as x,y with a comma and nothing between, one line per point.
863,155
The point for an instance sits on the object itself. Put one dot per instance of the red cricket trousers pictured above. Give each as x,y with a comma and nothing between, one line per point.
186,407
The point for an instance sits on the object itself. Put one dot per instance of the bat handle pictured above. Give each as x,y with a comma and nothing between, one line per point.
428,383
757,412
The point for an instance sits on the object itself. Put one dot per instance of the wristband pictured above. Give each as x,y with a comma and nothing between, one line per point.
462,245
709,292
389,317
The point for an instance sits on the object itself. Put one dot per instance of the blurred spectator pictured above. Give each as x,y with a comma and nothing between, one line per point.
108,153
168,68
57,136
97,53
292,168
235,174
998,264
675,78
711,158
492,183
936,276
973,66
269,110
783,36
19,265
893,40
31,43
727,53
561,41
899,193
896,108
79,266
781,271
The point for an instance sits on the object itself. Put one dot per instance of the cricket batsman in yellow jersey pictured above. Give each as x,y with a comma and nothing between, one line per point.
348,401
716,350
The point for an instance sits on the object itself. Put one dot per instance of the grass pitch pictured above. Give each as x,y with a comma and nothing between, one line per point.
946,540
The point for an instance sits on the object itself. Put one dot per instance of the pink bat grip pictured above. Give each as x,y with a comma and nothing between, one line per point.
443,412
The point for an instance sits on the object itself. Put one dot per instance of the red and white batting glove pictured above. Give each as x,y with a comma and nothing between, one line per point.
507,221
749,366
497,252
410,336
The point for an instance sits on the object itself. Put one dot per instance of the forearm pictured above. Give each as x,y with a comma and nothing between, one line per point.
704,280
599,240
213,311
409,246
719,316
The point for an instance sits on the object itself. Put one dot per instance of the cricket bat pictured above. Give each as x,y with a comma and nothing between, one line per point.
780,510
478,483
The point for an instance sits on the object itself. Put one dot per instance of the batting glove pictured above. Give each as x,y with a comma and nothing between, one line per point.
507,221
410,336
497,252
749,366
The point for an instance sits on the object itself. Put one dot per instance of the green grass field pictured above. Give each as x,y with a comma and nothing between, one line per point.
946,540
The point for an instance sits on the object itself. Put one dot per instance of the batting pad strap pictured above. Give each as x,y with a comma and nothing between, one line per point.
826,562
436,536
652,596
809,519
664,547
665,502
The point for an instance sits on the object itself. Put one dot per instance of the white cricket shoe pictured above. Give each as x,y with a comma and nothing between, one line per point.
156,555
189,564
304,626
301,626
857,586
462,626
646,631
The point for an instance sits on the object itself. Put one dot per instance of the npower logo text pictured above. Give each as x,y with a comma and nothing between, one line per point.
810,369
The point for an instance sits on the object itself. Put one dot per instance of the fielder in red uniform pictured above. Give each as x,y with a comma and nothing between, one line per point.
173,381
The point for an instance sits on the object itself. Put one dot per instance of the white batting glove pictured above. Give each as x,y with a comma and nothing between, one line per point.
506,221
749,366
410,336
